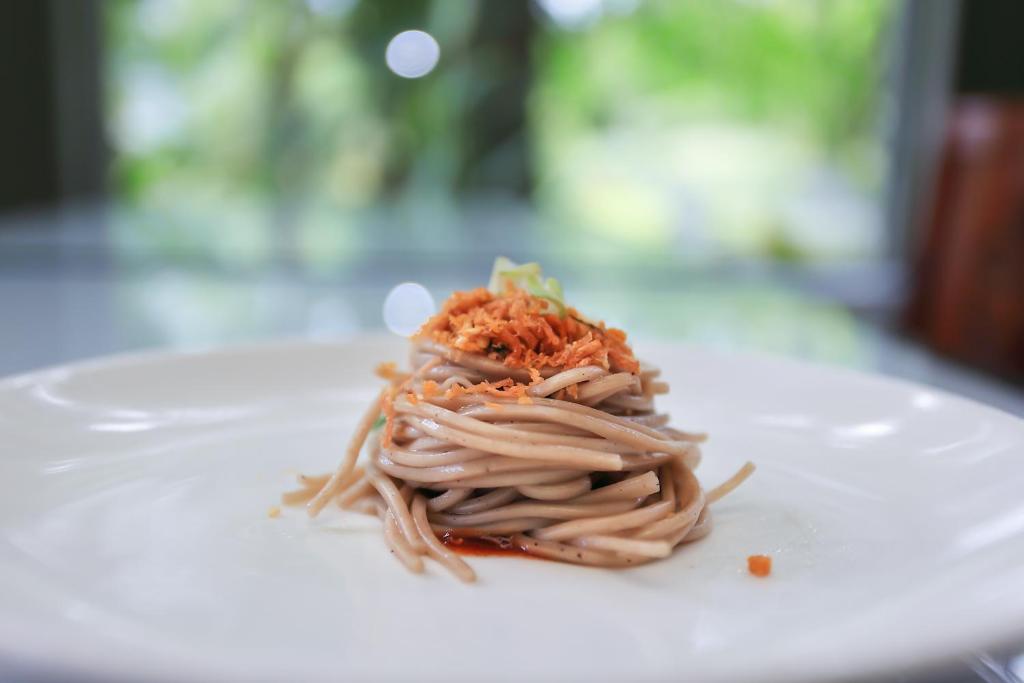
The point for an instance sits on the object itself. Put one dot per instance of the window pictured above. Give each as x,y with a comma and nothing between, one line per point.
693,131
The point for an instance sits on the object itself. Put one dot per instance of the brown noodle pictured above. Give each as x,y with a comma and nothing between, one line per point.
593,476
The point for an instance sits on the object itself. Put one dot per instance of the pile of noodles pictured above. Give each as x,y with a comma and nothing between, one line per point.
528,427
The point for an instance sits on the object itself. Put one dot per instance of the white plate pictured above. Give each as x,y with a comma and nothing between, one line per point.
135,541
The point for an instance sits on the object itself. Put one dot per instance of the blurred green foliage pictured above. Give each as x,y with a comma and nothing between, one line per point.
737,125
812,66
703,129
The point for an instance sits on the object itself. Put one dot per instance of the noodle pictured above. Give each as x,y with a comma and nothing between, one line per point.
400,547
545,441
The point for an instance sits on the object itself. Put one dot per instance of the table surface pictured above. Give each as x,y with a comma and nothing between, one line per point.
102,279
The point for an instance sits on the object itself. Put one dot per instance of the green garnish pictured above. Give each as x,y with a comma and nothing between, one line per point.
378,423
526,277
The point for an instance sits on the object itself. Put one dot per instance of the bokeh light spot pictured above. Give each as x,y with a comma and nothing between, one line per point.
406,307
412,54
572,14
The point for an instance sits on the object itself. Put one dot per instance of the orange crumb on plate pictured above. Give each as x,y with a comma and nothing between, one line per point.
387,370
759,565
273,512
